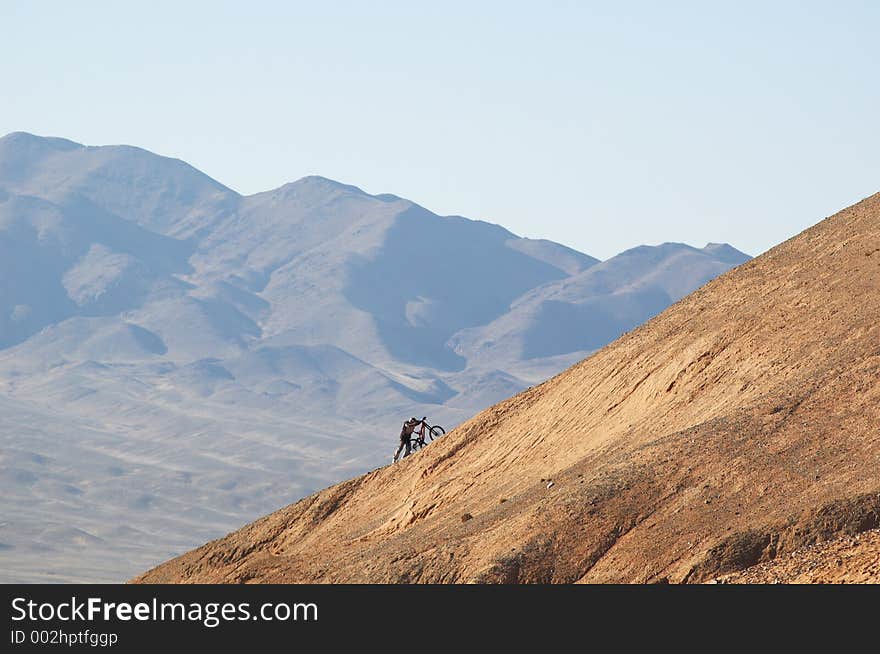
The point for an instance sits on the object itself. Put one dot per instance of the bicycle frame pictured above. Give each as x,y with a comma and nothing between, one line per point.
418,435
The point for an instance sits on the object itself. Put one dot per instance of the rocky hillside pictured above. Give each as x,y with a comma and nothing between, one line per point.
741,424
850,559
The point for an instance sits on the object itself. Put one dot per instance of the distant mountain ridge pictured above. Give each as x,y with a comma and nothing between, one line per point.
227,352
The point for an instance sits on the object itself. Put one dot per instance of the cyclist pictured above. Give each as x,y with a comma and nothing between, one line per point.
405,437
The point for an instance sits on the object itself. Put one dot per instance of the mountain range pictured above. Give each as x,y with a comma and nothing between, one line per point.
176,358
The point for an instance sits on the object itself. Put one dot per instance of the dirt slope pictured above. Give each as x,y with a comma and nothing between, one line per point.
843,560
741,424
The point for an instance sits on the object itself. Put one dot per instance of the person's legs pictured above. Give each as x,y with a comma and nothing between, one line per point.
404,442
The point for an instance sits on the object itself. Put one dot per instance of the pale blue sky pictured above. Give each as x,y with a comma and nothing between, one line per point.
601,125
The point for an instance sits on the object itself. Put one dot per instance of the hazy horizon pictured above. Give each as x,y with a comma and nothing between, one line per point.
351,184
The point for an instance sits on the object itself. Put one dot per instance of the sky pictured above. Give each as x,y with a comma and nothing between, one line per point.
600,125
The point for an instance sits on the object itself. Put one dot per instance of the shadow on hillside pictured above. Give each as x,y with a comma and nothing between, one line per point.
435,276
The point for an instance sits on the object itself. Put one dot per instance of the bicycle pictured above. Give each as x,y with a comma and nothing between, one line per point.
424,430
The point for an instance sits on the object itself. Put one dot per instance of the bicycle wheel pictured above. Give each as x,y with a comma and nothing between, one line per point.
436,432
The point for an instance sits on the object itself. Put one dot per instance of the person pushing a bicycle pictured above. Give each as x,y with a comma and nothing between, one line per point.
406,437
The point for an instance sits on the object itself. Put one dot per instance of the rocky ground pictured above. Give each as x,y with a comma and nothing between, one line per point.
845,560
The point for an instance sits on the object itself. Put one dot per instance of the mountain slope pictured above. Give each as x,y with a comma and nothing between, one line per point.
740,424
583,312
163,195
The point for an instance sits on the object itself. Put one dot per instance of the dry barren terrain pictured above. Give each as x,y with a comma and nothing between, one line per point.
843,560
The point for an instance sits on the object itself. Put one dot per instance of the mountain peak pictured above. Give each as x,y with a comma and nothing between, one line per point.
725,252
324,183
28,140
318,184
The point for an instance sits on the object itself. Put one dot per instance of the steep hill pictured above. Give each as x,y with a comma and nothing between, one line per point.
741,424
